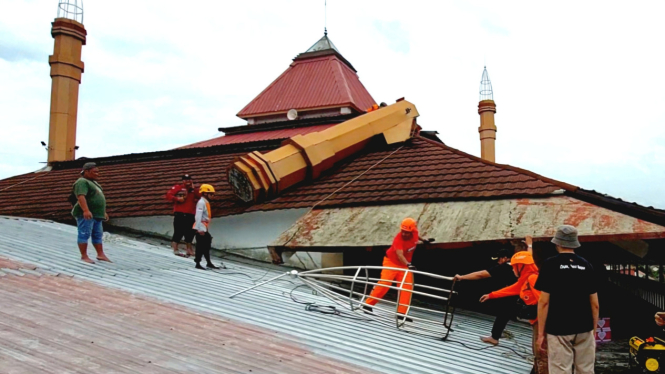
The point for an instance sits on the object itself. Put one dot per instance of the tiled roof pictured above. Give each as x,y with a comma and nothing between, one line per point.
132,188
315,80
423,170
278,134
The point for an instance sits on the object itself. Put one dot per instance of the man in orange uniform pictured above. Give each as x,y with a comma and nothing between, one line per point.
399,255
527,273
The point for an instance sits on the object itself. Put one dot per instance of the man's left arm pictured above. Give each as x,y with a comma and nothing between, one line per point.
425,241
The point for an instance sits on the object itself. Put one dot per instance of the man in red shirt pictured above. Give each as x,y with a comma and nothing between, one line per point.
184,197
399,255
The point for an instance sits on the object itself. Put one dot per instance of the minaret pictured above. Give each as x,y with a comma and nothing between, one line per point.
486,109
66,71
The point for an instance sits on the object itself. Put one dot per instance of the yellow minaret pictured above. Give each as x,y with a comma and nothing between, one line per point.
66,71
486,109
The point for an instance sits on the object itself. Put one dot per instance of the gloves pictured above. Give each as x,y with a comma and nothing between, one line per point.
411,267
430,240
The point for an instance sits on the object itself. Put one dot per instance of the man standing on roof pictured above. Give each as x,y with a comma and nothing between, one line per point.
568,307
399,256
201,223
527,275
90,211
184,196
503,276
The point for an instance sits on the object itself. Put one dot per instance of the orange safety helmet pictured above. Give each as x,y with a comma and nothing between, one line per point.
522,257
409,224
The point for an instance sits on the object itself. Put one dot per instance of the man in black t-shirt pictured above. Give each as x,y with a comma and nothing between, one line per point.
503,276
568,307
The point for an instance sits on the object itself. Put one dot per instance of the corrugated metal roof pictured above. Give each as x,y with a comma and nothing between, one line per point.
150,270
464,221
53,323
259,136
316,82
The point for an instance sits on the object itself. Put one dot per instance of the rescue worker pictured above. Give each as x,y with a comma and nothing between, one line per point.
201,226
527,274
184,196
502,275
399,255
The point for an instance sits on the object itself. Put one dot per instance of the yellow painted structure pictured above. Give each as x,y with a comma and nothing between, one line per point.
66,71
487,129
257,176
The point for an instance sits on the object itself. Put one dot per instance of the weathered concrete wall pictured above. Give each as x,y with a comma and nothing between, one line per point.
243,234
465,222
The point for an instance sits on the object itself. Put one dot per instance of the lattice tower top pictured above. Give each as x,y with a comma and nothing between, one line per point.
486,92
71,9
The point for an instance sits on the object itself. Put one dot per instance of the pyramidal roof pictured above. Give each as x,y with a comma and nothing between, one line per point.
323,44
318,78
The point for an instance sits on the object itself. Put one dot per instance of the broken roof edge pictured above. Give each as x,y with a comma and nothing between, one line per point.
648,214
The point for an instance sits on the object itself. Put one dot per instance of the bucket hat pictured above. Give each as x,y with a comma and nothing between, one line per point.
566,236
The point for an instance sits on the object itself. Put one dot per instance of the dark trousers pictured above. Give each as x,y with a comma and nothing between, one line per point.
203,243
506,309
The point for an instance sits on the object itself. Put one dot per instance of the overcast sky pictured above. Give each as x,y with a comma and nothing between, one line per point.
579,86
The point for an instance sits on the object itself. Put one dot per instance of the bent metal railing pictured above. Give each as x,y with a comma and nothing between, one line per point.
344,291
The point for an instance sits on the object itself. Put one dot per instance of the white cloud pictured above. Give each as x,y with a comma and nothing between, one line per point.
577,85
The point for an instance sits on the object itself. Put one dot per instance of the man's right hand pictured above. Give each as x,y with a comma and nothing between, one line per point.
202,232
87,214
458,277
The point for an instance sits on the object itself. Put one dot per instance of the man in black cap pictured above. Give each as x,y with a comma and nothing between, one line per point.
90,211
503,276
184,197
568,307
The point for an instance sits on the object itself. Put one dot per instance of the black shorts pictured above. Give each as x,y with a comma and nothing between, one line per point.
183,224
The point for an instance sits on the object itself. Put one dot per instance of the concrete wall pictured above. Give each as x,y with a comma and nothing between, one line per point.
245,234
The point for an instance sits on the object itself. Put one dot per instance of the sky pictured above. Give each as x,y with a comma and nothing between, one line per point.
578,86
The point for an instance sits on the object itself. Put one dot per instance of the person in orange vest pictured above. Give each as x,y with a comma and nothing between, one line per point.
201,222
399,255
526,272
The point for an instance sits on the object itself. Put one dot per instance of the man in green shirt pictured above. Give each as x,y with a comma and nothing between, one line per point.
90,211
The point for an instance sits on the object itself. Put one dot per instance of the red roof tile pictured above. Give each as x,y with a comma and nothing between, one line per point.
423,170
317,80
259,136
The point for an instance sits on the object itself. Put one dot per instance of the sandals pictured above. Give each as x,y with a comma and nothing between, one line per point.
180,254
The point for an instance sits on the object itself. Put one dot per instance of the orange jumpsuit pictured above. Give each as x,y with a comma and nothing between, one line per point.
389,276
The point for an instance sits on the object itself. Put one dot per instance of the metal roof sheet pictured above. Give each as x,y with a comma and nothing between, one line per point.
259,136
150,270
464,222
308,83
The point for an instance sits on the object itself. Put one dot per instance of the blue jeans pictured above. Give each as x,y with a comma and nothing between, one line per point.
89,228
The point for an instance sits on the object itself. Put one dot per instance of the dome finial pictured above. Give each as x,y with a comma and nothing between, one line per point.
486,92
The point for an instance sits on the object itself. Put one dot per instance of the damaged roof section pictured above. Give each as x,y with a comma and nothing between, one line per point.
423,170
464,222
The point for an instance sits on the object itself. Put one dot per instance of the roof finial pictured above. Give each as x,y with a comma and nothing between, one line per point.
325,17
325,31
486,92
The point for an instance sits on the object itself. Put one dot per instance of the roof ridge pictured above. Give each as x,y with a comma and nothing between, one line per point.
563,185
339,75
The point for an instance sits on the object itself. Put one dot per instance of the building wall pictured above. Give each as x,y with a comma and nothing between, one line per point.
245,234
